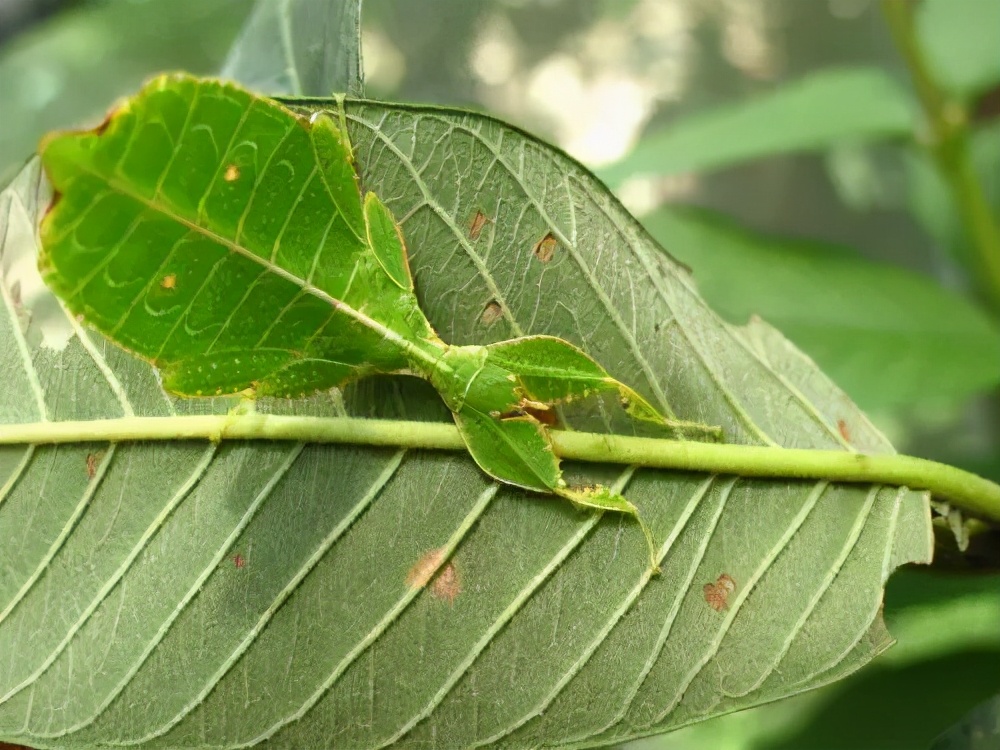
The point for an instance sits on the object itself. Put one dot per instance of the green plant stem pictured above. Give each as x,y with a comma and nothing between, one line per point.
949,146
968,491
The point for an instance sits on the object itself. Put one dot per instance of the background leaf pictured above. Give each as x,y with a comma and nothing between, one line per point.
286,577
301,48
815,112
72,68
888,336
960,41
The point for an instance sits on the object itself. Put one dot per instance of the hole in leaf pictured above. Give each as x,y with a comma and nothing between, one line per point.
477,224
717,594
491,313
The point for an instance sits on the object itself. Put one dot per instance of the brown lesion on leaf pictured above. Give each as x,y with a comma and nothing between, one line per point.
844,430
431,569
479,221
239,561
169,281
491,313
545,248
93,462
231,174
717,594
446,584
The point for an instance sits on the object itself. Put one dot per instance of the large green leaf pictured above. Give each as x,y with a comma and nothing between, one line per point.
888,336
246,592
809,114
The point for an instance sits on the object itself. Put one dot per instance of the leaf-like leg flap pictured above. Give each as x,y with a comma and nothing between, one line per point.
638,408
265,372
602,498
552,370
222,373
386,241
515,451
336,162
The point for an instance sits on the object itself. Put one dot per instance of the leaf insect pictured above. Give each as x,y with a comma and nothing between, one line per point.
285,277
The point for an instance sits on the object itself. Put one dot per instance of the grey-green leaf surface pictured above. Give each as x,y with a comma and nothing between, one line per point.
272,593
960,40
888,336
897,702
812,113
299,48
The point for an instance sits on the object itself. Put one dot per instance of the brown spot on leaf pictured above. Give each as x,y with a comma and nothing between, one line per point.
845,432
717,594
93,461
169,281
15,293
444,581
424,568
477,224
239,561
231,174
446,584
491,313
545,248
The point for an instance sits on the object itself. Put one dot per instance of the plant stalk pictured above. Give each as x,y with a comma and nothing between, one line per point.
972,493
949,146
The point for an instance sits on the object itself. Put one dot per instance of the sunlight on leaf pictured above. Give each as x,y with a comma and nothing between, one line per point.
812,113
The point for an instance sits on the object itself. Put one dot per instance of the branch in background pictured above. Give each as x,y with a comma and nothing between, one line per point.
949,145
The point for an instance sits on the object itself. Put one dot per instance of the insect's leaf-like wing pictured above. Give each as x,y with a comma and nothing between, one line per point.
201,229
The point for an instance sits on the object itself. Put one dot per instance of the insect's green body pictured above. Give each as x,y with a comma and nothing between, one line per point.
276,295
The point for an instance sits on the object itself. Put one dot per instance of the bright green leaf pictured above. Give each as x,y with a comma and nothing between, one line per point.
312,583
888,336
812,113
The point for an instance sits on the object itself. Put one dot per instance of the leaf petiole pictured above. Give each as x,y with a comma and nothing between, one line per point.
972,493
